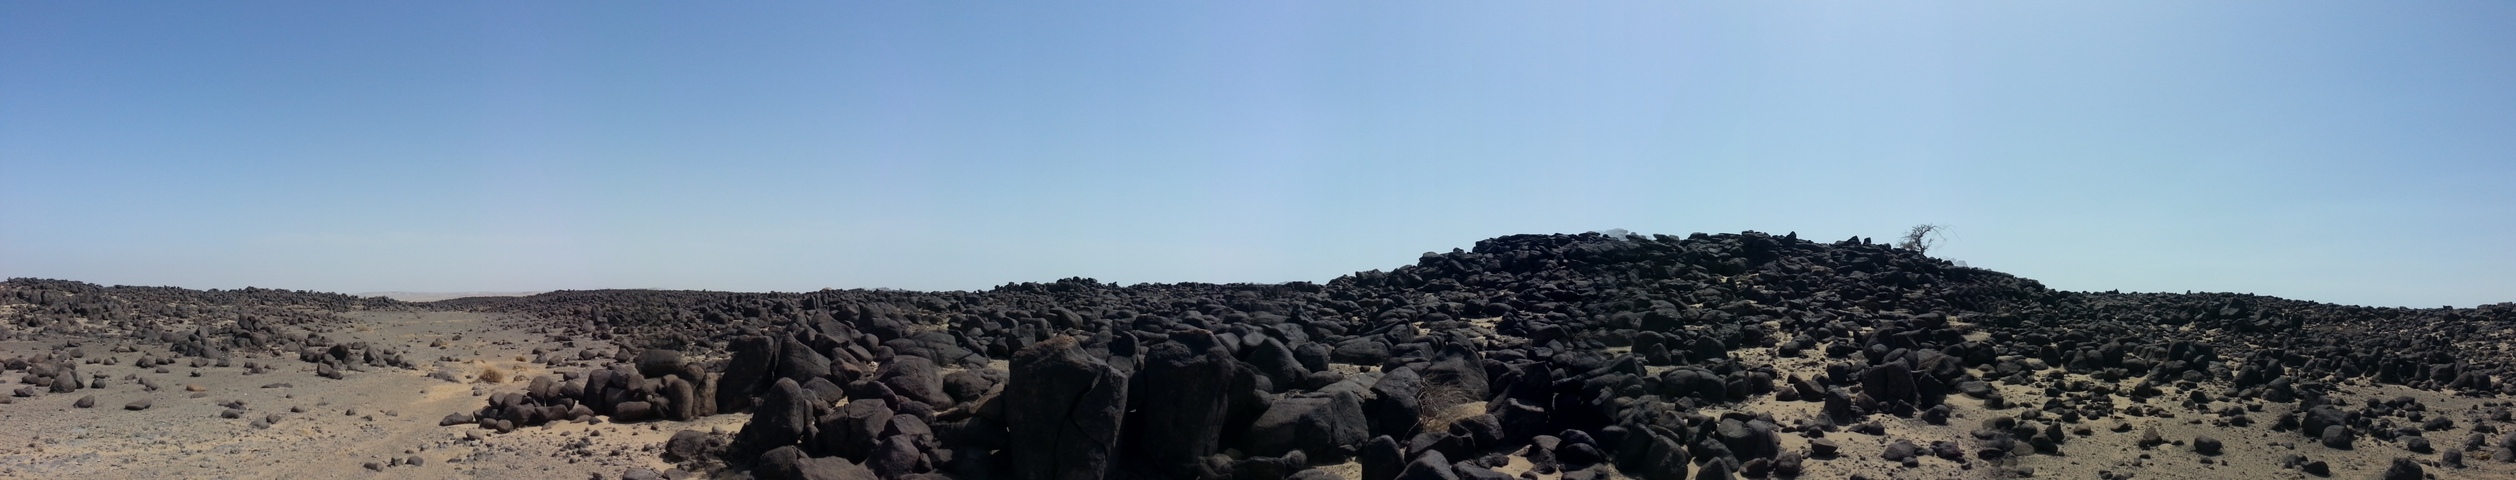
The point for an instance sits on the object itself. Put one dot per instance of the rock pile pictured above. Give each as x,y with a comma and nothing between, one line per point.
660,385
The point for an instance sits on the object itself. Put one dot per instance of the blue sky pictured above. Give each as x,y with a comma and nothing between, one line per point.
2334,151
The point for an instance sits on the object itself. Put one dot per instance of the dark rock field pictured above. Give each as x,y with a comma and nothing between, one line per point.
1583,356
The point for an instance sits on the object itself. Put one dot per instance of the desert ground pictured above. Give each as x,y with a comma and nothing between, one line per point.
1540,357
295,424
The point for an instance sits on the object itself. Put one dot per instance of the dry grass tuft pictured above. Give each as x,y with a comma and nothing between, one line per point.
491,374
1442,406
1439,419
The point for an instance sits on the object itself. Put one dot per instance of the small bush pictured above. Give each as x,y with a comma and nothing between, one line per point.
491,374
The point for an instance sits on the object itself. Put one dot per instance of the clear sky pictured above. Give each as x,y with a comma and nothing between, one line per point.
2348,152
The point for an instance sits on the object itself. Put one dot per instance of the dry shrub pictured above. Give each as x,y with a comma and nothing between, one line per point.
1442,406
491,374
1922,238
1439,420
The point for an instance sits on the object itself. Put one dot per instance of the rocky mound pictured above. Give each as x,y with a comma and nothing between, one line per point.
1578,356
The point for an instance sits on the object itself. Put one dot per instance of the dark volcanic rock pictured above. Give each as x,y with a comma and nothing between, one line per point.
790,463
2403,469
780,420
2338,437
1381,458
1472,471
799,362
1428,466
895,457
914,377
627,412
970,385
2314,421
681,400
1653,456
1694,382
1823,448
657,362
852,430
1751,439
1063,406
1322,425
754,360
1396,404
1181,421
937,347
1891,383
1898,451
685,445
1272,359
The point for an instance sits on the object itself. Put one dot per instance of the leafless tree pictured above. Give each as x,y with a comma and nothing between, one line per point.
1921,238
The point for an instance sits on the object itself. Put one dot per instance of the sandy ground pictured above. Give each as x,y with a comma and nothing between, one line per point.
435,296
326,428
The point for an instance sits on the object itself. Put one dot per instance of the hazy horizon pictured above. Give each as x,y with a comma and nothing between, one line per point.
2335,152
